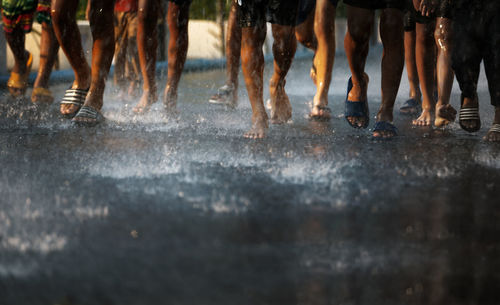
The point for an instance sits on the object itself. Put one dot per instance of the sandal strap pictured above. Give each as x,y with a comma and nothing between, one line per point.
495,128
88,112
74,97
469,114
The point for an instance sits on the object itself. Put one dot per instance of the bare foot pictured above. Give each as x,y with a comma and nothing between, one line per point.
358,94
321,113
170,101
445,114
281,110
148,98
259,128
424,119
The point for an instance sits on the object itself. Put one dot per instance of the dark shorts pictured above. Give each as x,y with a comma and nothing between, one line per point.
306,7
256,12
377,4
413,16
181,2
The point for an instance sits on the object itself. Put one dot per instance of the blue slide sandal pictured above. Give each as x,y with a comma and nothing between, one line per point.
358,109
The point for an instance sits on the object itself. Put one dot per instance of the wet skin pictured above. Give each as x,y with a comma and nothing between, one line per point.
66,30
411,69
356,43
494,136
49,47
317,32
471,103
16,41
177,19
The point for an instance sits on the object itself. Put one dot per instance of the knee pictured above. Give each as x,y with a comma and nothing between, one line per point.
304,39
360,33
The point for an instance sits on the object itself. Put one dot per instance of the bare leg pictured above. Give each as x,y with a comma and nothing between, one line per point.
101,25
391,32
16,41
425,54
324,28
233,50
147,43
67,33
178,18
443,34
411,69
49,48
121,49
253,70
304,33
356,44
283,50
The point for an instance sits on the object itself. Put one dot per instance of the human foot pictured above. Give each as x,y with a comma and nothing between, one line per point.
411,106
281,110
468,117
356,105
259,127
493,134
320,113
148,98
226,95
384,130
445,114
424,119
90,114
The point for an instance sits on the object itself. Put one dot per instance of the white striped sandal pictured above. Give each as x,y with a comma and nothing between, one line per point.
495,128
88,117
74,97
469,114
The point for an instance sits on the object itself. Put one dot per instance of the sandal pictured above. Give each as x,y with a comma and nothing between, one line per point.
410,104
74,97
385,126
224,96
41,95
357,109
18,83
87,112
469,114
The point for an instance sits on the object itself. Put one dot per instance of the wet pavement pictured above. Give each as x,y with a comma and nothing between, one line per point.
154,210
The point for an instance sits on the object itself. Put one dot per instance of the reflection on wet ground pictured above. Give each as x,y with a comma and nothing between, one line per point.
153,210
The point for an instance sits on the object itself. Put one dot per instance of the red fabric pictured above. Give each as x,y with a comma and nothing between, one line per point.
126,5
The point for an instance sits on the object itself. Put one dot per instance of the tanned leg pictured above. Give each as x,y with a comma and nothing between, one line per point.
425,54
67,33
147,43
101,25
178,18
16,40
443,34
252,59
121,49
324,29
233,50
304,33
356,44
411,69
48,55
284,48
391,33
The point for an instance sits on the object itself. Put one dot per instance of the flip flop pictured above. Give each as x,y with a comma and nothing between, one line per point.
469,114
410,103
17,82
223,96
41,95
358,109
74,97
321,118
87,112
385,126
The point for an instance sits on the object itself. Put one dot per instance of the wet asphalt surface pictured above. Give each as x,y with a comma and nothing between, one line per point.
154,210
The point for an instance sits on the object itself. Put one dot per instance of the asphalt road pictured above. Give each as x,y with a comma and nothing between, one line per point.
154,210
